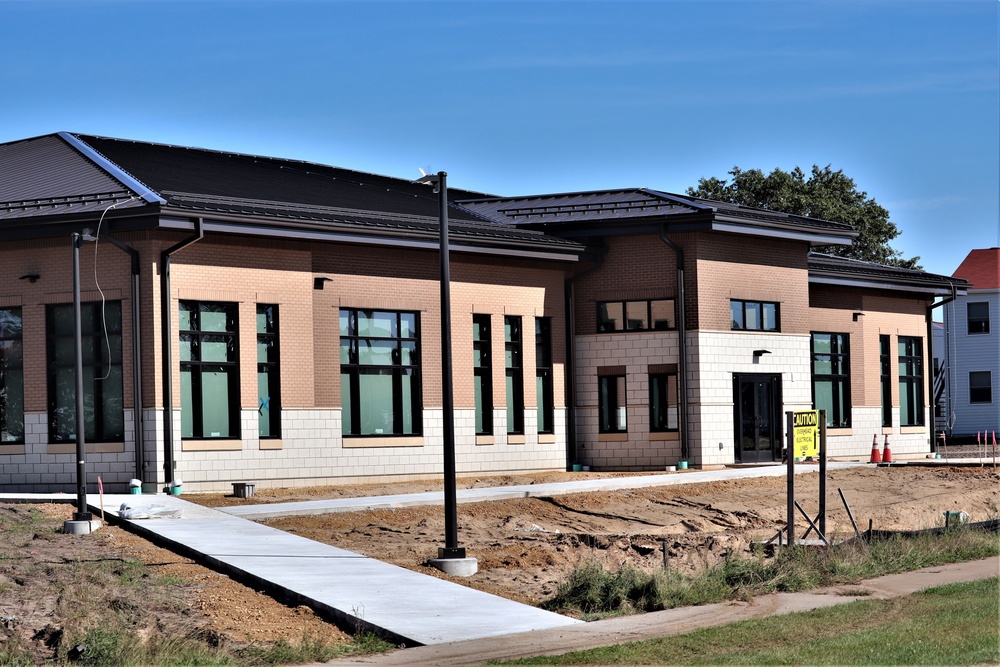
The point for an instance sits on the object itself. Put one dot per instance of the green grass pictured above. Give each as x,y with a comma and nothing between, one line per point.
951,625
592,592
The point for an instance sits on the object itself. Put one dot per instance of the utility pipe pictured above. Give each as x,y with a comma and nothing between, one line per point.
166,345
930,361
682,336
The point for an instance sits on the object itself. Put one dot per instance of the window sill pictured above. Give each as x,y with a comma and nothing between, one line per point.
12,449
839,431
485,439
660,436
211,445
515,439
271,443
401,441
612,437
913,429
546,438
90,447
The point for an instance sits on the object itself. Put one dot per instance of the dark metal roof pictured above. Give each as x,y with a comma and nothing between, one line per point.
46,176
627,208
66,174
824,268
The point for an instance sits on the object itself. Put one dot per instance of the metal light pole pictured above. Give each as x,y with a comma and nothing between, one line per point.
81,465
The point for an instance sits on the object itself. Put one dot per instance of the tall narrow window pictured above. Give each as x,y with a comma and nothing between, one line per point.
885,371
980,387
482,368
268,375
11,376
210,373
380,373
611,408
543,374
103,407
832,378
911,381
515,374
663,401
978,317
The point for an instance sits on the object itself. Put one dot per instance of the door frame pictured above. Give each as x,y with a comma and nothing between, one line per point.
777,423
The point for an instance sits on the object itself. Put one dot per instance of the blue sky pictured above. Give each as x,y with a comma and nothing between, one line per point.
529,97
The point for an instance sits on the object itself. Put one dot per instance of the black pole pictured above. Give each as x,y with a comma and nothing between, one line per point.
822,472
81,464
451,548
790,458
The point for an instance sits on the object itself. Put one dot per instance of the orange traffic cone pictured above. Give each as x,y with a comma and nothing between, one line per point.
886,452
876,455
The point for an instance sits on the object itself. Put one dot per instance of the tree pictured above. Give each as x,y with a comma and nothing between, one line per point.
826,194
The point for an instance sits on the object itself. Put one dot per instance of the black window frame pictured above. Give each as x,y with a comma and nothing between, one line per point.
743,304
606,324
11,375
543,376
482,369
196,366
977,324
911,382
609,399
885,378
659,412
514,373
981,389
352,370
102,355
268,342
837,415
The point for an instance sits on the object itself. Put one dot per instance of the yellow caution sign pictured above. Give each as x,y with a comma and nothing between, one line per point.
805,429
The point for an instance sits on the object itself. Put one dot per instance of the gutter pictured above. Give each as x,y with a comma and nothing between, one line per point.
682,335
166,344
570,380
137,420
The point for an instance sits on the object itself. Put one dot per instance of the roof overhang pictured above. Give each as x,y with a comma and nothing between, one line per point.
897,286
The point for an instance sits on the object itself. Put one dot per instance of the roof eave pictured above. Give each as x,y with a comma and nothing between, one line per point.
936,288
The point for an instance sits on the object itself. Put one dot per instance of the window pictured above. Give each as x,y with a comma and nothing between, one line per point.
611,403
657,315
885,371
911,381
103,408
543,374
980,387
754,315
11,376
482,367
514,372
979,317
268,374
380,373
663,400
210,373
831,371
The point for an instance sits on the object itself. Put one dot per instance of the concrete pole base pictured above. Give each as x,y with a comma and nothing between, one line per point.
81,527
456,567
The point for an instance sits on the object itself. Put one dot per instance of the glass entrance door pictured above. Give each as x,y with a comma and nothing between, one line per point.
757,407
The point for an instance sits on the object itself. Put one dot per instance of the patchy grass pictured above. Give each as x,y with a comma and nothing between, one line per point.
950,625
593,592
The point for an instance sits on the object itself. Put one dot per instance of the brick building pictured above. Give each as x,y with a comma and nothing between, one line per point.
289,315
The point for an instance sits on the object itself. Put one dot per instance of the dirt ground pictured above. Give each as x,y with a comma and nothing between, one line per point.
525,547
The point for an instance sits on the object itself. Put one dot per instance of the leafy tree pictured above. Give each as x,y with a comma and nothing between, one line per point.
826,194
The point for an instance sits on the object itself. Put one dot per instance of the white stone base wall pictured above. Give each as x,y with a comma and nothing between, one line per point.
312,454
39,470
856,442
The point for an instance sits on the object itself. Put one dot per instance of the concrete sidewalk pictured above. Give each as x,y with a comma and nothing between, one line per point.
672,621
545,490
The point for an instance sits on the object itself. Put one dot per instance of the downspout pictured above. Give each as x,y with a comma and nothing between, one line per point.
166,344
682,335
930,360
137,421
570,380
